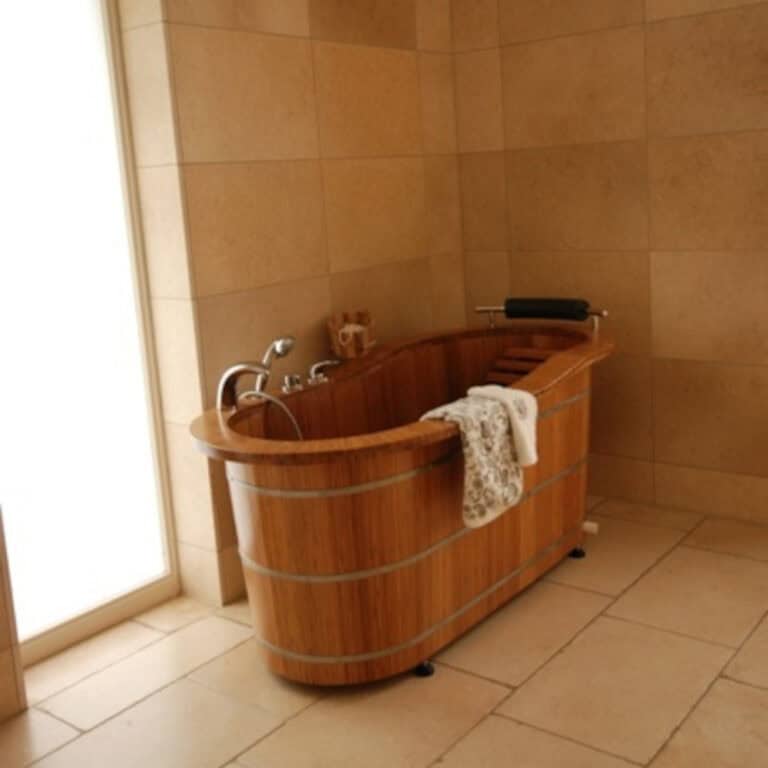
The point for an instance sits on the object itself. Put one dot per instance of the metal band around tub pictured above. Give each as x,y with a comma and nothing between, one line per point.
360,657
350,490
335,578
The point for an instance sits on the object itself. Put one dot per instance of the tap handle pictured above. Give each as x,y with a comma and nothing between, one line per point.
317,371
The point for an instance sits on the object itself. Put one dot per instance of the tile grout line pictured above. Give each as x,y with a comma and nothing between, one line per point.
643,22
601,614
139,702
584,744
84,731
274,730
163,636
683,635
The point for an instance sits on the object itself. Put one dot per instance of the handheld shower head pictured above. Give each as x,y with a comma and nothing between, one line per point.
278,348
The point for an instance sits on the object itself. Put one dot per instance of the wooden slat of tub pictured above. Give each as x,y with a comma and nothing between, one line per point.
517,366
527,353
390,609
358,672
386,524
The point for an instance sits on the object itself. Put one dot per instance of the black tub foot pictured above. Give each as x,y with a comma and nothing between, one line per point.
577,553
425,669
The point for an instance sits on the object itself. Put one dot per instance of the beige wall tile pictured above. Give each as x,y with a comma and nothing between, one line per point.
583,693
375,211
475,24
729,725
709,192
478,101
707,415
224,520
659,9
199,572
713,493
10,703
438,107
616,281
240,326
255,224
622,422
390,23
285,17
486,278
484,201
707,74
231,575
149,95
731,285
177,357
7,636
398,296
135,13
433,20
621,478
443,205
190,488
574,90
165,240
588,197
243,96
535,20
213,728
368,101
448,299
367,726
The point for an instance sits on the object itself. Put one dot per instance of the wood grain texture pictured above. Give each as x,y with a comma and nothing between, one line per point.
356,560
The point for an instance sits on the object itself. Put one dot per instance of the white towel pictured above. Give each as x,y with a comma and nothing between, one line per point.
523,413
493,479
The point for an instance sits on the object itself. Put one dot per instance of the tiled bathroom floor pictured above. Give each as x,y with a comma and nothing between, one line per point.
651,651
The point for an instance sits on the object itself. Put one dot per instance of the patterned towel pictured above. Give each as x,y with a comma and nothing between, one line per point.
493,478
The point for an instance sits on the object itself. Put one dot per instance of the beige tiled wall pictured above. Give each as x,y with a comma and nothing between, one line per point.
12,696
618,150
295,158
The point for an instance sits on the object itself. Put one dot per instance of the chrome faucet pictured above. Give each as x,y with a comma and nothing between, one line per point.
278,348
317,372
226,395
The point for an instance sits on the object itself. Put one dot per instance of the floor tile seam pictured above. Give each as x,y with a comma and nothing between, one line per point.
673,632
572,740
439,759
273,731
734,555
164,636
142,699
692,709
601,614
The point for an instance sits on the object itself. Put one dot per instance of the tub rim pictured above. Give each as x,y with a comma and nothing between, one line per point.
216,439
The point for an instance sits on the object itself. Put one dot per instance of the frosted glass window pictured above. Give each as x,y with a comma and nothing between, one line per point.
77,474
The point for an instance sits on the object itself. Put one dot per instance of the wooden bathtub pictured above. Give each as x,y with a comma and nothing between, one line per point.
356,560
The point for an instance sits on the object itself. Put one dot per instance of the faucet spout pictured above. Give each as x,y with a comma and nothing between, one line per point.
226,395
